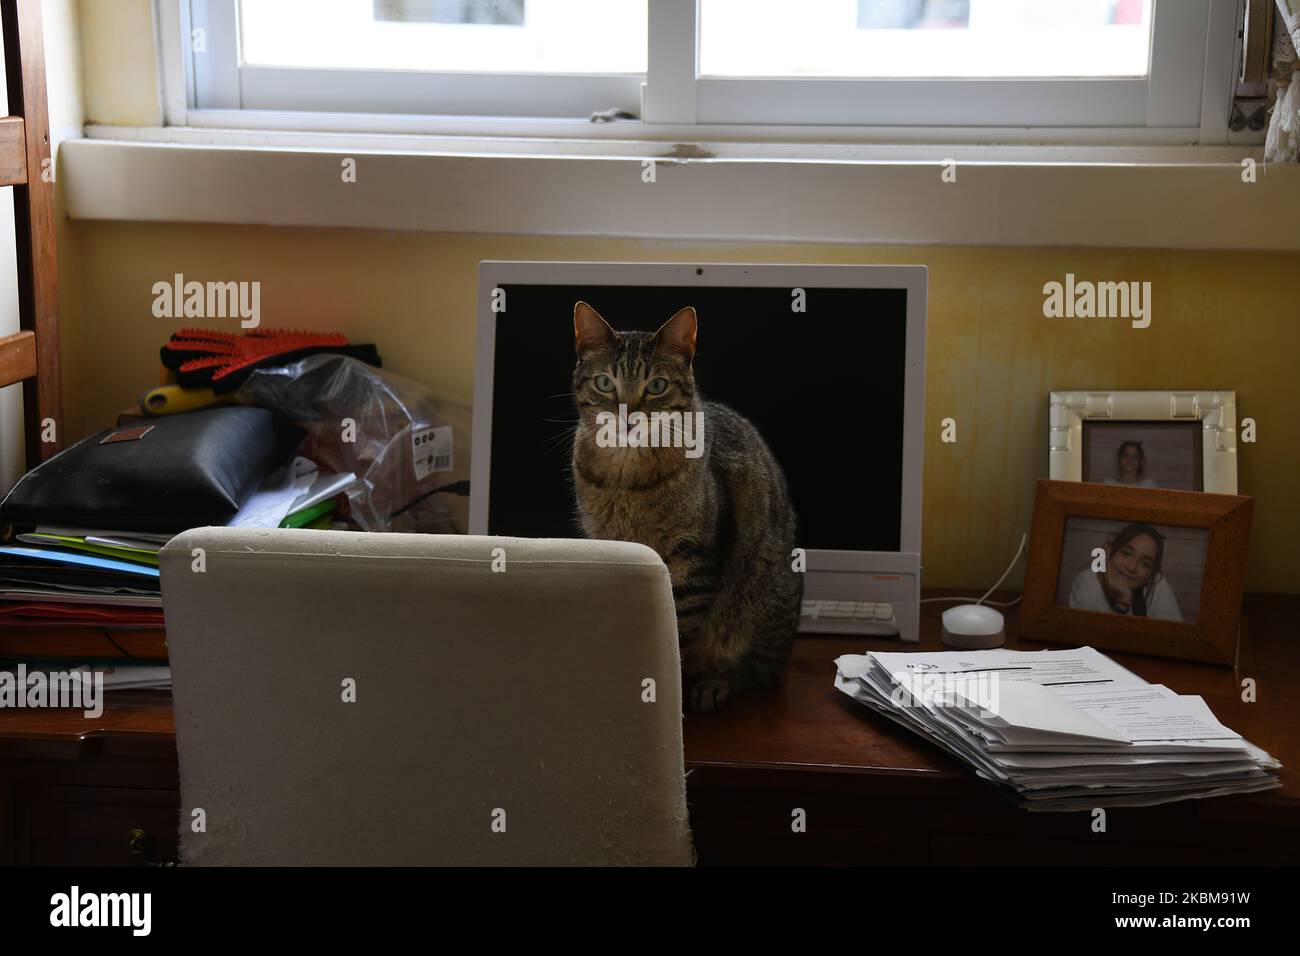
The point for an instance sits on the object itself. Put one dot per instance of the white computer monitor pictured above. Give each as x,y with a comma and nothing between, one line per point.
828,362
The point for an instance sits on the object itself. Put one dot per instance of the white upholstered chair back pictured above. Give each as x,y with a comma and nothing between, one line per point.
500,711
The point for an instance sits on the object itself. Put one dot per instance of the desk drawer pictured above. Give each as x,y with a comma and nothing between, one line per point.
94,826
757,828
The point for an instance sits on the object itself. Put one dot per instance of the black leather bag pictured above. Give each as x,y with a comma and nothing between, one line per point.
161,476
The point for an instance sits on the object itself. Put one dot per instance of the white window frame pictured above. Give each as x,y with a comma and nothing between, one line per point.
1185,99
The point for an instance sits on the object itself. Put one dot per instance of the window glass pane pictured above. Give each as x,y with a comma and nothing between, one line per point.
925,38
483,36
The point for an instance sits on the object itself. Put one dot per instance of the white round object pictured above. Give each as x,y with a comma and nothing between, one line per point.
973,627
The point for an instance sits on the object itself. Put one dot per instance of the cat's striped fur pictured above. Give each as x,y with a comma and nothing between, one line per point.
722,522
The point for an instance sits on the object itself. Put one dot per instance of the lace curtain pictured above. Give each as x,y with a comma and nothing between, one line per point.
1283,142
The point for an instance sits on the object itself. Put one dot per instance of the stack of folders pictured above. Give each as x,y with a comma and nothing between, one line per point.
1062,730
54,575
78,580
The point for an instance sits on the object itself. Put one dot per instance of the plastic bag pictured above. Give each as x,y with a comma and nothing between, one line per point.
401,441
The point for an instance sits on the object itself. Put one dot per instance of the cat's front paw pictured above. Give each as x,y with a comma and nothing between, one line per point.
709,694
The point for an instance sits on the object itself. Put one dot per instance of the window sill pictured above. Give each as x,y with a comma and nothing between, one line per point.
1121,196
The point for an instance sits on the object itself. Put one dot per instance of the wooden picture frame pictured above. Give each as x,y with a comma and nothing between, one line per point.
1210,637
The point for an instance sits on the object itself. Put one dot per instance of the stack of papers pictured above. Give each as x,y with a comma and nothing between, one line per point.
130,677
1062,730
69,576
57,576
133,678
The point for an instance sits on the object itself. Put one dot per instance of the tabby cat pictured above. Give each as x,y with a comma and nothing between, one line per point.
719,515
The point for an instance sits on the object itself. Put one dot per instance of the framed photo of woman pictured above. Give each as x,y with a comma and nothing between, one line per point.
1144,570
1184,441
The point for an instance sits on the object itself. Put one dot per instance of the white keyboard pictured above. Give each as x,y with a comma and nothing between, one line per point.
847,617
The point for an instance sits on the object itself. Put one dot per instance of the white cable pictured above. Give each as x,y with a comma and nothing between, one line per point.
1019,551
966,599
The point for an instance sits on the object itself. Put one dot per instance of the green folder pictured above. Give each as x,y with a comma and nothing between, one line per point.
138,555
313,516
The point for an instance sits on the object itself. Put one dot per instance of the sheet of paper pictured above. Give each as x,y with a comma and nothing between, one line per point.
1146,714
1079,667
67,597
325,486
134,677
1025,711
269,504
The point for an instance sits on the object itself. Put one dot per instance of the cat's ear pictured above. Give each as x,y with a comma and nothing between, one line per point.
591,333
677,335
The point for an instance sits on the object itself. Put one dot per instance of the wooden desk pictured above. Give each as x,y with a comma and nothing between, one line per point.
71,791
875,793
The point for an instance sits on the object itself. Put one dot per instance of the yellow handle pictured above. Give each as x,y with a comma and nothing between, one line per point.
170,399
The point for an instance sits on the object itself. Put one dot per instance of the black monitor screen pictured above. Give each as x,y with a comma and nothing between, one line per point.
823,386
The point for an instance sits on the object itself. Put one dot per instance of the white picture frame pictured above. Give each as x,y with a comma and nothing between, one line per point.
1215,409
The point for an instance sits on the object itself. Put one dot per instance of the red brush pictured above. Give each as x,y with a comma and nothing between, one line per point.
203,358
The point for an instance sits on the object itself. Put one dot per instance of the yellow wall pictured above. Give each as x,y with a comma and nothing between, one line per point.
119,62
1221,320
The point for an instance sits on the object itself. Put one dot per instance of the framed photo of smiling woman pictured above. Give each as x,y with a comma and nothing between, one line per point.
1144,570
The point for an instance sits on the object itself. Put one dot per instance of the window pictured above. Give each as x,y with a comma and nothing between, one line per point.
925,38
461,36
460,57
1131,65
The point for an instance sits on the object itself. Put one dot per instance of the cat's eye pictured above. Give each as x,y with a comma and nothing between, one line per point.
656,386
604,383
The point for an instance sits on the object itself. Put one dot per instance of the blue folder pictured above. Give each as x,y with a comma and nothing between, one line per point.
79,560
